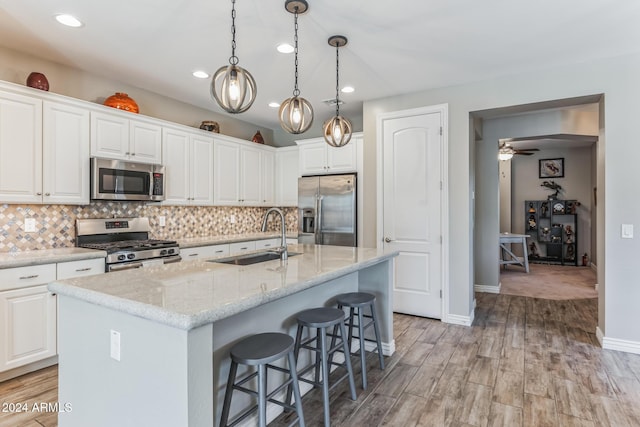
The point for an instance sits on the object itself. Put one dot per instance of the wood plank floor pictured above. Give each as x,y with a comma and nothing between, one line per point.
524,362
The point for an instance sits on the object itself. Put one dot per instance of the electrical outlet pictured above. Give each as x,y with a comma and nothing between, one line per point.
30,225
232,219
162,220
115,345
627,231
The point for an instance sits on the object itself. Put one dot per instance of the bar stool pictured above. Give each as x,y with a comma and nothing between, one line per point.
259,350
357,302
322,319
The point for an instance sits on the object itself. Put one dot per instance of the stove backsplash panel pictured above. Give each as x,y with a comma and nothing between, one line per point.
55,224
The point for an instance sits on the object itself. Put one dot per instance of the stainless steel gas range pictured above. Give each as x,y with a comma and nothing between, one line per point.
126,241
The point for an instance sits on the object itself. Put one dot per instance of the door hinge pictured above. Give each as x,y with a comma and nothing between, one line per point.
441,240
440,130
440,185
440,293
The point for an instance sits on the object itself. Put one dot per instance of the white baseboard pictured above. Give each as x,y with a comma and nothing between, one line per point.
488,289
617,344
597,286
594,267
32,367
456,319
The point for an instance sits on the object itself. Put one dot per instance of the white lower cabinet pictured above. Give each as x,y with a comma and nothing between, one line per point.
28,311
27,315
268,244
239,247
200,252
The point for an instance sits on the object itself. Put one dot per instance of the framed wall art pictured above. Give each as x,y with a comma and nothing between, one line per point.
551,168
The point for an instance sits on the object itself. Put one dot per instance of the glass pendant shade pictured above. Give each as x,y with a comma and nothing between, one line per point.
337,131
296,115
233,88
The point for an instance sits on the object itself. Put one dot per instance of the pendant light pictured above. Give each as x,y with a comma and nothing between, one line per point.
296,113
233,87
337,130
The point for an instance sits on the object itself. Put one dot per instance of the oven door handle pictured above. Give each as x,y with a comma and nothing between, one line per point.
172,259
126,266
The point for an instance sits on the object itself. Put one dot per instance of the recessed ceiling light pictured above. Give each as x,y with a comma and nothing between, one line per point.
68,20
200,74
285,48
274,105
347,89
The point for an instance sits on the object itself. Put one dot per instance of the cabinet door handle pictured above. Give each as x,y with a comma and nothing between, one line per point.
133,154
193,254
33,276
53,295
127,153
83,269
388,240
47,194
219,252
38,194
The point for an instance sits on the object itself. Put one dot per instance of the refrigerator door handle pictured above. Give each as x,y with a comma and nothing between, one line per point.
318,220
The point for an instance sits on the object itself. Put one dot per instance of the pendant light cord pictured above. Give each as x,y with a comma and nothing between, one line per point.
337,80
296,91
233,60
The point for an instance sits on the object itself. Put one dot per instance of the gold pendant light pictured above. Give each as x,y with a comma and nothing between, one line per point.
296,113
337,130
233,87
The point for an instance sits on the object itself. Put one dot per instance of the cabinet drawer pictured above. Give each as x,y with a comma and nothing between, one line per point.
85,267
235,248
189,254
268,243
22,277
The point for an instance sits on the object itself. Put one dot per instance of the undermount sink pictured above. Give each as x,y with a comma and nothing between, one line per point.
251,258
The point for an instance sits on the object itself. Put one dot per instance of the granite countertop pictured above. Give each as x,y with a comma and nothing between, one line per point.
190,294
47,256
194,242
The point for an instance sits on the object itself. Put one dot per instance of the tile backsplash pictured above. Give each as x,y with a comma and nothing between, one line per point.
55,224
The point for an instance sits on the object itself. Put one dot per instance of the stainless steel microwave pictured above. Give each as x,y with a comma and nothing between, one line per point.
121,180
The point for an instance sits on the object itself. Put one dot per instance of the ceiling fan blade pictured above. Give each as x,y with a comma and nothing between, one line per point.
522,153
527,149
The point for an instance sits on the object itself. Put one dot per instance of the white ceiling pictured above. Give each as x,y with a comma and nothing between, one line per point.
394,47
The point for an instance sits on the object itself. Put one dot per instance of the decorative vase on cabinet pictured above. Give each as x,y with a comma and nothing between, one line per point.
122,101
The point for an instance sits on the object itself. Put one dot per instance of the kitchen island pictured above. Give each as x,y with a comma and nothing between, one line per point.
151,346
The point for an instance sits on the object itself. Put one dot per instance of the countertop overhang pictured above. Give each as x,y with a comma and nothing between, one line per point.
190,294
46,256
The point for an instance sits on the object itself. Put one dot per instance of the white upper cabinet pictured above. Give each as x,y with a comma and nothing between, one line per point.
189,168
317,157
243,174
65,166
44,151
287,174
20,148
117,137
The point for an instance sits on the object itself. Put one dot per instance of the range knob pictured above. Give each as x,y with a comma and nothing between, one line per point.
131,256
163,252
121,257
171,251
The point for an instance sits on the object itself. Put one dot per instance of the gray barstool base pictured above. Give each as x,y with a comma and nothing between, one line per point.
357,301
321,319
259,350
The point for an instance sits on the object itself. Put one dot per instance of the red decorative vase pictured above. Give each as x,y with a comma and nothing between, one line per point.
122,101
258,138
38,81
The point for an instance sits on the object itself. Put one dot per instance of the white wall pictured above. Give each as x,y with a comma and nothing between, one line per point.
16,66
617,78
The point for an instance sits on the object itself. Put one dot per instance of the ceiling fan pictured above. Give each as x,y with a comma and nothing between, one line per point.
506,152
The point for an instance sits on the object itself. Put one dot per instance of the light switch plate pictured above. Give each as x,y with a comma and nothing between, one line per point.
232,219
115,345
30,225
627,231
162,220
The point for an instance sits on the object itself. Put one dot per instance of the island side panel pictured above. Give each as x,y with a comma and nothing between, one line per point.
275,316
161,370
378,280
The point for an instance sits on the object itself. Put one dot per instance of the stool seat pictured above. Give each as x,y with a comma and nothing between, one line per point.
320,317
262,348
355,299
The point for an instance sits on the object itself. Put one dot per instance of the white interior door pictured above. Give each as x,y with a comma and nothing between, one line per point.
412,204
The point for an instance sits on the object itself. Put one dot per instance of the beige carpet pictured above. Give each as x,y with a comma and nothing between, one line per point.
549,281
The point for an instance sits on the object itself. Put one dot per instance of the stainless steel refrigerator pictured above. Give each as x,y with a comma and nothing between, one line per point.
327,210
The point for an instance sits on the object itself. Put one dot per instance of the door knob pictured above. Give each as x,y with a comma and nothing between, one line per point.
388,240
